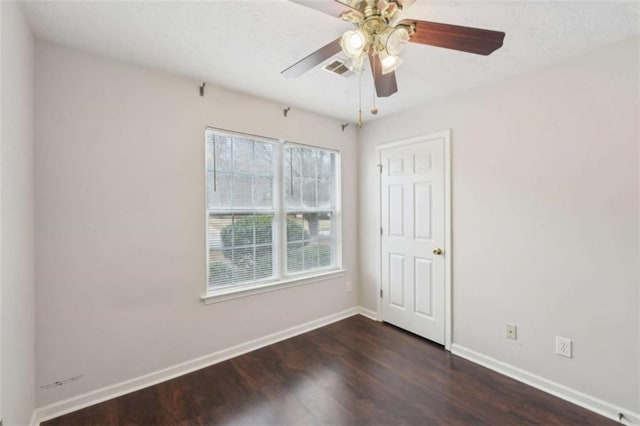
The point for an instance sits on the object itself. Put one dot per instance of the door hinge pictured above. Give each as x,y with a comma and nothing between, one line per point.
381,293
380,167
381,231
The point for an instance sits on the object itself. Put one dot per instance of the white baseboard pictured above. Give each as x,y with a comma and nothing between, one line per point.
368,313
576,397
34,419
109,392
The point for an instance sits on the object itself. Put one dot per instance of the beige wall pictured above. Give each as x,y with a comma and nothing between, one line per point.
16,218
120,225
545,218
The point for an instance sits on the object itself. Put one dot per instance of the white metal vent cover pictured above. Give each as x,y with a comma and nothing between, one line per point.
338,67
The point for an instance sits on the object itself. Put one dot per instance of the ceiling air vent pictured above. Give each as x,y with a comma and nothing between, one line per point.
337,67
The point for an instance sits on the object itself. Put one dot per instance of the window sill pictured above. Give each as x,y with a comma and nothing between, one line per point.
236,293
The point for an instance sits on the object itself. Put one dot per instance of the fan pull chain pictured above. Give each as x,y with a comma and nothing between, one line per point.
374,110
360,100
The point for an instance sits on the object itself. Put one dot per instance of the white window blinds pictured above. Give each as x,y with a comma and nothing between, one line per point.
241,208
310,207
271,210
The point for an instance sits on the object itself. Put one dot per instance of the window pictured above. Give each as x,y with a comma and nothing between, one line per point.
272,211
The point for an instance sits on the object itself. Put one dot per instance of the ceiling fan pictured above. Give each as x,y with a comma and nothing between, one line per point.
381,35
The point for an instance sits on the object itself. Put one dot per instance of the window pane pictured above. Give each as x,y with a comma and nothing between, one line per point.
210,142
309,193
325,225
242,191
294,257
324,253
311,225
309,241
220,268
305,257
293,162
325,165
240,248
310,234
263,192
244,262
264,262
263,158
264,229
295,228
223,154
219,190
308,163
325,194
292,192
242,231
242,175
310,254
220,273
242,155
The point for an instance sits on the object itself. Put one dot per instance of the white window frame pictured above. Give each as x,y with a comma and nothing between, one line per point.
282,280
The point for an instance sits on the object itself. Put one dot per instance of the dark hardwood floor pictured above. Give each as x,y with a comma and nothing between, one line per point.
353,372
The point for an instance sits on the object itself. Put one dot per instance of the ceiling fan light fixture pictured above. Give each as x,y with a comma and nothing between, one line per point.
405,3
389,10
396,40
389,63
355,64
351,16
353,43
381,36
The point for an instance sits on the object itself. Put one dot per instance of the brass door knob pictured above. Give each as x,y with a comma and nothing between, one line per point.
437,251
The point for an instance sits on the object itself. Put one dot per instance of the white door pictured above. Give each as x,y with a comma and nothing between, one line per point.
413,237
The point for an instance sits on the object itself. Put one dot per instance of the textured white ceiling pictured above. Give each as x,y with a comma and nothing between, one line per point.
244,44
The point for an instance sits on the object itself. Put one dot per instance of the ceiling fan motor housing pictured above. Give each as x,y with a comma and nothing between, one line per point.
375,27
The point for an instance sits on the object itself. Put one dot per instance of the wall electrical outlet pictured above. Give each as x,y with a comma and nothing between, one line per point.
349,287
511,332
563,346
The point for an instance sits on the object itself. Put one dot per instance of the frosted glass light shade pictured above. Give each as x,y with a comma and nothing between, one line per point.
353,43
397,40
389,63
356,64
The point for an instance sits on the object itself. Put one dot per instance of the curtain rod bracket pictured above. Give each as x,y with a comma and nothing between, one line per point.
344,126
202,88
286,111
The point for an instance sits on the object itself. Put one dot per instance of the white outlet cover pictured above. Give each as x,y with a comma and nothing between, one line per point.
563,347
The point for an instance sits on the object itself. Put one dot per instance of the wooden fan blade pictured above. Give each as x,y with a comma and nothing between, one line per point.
312,60
386,84
465,39
330,7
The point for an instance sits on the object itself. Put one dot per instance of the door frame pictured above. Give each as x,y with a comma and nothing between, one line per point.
448,277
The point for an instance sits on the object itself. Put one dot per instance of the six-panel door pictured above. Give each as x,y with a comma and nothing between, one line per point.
412,218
